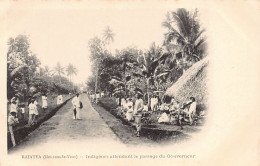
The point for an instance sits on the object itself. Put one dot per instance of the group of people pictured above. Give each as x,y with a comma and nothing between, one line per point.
175,113
17,112
169,111
132,109
94,98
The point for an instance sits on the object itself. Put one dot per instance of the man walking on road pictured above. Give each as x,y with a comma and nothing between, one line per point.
77,105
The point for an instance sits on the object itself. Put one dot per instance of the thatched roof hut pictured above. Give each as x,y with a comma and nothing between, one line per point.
192,83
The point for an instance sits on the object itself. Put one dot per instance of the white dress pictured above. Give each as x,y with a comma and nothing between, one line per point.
33,109
59,100
44,102
154,101
129,114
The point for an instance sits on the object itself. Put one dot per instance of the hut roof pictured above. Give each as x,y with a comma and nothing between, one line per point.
192,83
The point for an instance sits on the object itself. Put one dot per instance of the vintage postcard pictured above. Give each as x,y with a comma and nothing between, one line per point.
115,82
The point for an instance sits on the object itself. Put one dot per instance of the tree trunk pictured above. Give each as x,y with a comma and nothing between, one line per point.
96,86
147,91
60,78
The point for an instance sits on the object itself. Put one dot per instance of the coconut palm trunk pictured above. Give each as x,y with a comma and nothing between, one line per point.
148,93
60,78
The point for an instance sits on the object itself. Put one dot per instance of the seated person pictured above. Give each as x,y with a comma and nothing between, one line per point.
145,108
164,118
165,108
130,113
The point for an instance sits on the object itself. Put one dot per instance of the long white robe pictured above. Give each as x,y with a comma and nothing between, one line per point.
59,100
129,114
154,101
44,102
76,104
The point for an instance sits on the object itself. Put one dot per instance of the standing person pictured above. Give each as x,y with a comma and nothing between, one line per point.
12,121
44,101
102,94
13,106
77,104
139,104
123,103
33,112
192,109
138,107
22,107
154,102
59,100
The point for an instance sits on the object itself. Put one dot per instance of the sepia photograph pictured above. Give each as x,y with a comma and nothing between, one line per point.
151,92
107,82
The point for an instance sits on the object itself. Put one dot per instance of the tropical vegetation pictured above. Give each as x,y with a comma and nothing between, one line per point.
26,77
153,70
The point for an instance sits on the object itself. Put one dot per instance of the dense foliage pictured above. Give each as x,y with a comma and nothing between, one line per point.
25,76
152,70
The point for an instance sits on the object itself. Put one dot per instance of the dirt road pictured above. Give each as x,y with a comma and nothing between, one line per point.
61,129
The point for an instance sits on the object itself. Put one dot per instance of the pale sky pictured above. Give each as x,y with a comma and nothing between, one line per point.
62,35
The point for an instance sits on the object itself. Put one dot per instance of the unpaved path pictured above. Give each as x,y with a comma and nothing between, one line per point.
62,128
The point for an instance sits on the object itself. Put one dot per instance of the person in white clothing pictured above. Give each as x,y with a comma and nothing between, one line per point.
12,121
13,107
154,103
139,104
92,96
164,118
59,100
102,94
145,108
33,112
129,113
138,108
123,103
76,106
44,102
192,109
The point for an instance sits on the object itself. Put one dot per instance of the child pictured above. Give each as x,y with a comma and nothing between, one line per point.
129,113
12,121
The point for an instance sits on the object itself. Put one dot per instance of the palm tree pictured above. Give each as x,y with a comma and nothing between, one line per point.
59,70
47,71
108,36
184,33
150,62
71,70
